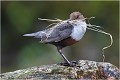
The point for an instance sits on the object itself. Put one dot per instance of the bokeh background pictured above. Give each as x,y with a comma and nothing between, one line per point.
18,18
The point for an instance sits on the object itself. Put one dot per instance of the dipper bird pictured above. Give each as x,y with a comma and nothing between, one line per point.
64,33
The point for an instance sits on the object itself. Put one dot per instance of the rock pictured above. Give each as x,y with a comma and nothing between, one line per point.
83,69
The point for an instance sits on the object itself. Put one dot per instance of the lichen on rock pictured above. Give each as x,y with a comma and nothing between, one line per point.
84,69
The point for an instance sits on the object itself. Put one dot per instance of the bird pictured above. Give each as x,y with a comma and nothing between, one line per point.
64,33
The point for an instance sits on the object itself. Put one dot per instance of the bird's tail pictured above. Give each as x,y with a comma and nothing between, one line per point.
32,34
36,34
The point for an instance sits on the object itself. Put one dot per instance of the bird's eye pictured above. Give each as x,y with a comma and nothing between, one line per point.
77,16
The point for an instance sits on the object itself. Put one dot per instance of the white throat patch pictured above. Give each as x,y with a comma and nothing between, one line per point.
78,30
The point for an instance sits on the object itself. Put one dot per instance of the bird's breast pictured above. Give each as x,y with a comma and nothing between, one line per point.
78,31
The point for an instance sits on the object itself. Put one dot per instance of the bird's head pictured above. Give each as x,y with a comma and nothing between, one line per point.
76,15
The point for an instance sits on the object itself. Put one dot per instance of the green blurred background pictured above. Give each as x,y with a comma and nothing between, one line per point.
19,17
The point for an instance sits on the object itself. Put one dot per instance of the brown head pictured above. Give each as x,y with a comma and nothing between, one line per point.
76,15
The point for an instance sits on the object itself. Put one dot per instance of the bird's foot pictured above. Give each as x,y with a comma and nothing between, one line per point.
71,64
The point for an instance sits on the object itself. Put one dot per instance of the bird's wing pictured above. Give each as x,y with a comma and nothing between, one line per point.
56,34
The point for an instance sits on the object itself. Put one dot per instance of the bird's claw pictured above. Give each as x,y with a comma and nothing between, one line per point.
71,64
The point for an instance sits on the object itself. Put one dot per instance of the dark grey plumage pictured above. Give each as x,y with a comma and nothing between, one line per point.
53,34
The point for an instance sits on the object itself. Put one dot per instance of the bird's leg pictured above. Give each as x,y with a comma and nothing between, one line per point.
61,53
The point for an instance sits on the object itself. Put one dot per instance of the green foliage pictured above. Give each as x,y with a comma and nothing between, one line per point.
21,16
36,53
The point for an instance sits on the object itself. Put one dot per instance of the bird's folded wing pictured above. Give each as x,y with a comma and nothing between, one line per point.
58,33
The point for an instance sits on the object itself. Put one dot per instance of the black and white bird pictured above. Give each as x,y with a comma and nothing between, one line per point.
64,33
